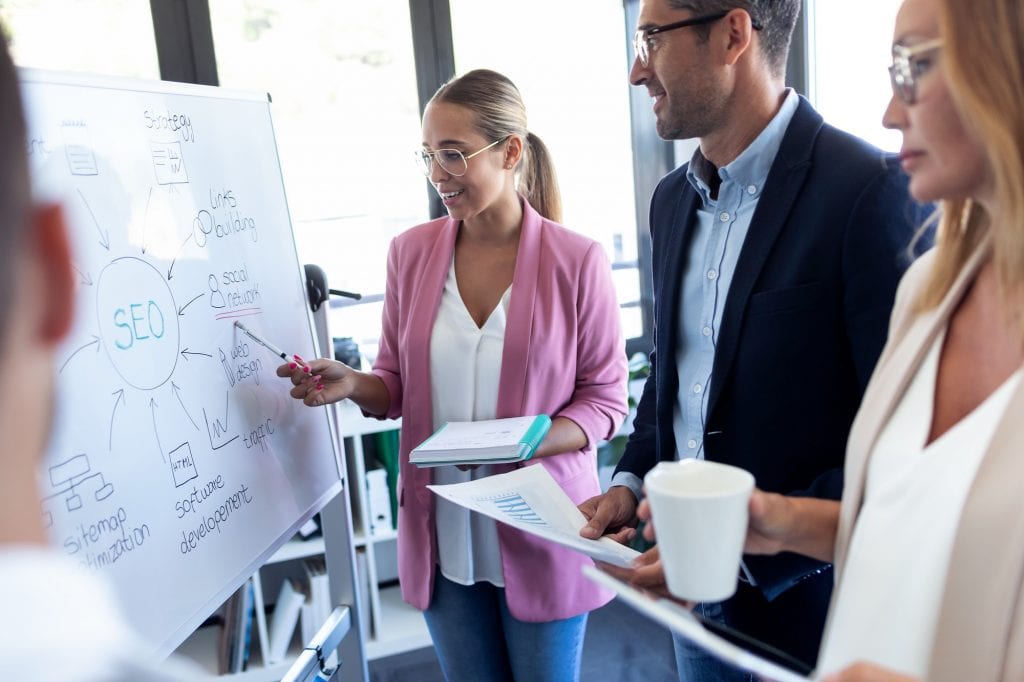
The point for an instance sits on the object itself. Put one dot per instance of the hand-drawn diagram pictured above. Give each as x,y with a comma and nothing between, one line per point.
67,477
175,462
78,148
183,465
168,163
138,322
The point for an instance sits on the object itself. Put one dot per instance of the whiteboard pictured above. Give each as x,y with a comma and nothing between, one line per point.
179,463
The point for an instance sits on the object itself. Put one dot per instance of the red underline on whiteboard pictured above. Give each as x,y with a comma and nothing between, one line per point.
241,312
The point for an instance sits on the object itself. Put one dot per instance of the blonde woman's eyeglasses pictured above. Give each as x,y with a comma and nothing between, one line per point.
451,161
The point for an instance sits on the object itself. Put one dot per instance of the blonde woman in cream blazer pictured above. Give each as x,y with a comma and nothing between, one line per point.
979,634
938,435
928,541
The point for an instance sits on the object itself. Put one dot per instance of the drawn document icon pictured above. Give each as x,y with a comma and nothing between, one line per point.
78,148
168,163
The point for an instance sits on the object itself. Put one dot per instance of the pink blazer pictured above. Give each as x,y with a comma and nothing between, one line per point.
564,356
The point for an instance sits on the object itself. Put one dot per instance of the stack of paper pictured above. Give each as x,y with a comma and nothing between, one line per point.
318,607
286,616
237,633
491,441
315,610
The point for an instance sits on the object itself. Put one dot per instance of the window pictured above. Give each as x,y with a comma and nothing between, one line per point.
343,86
850,48
571,69
112,37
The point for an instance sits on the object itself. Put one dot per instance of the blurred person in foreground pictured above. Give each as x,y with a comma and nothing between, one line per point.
60,621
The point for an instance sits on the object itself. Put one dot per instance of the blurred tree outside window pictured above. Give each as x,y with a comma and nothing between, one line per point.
570,66
110,37
850,50
342,80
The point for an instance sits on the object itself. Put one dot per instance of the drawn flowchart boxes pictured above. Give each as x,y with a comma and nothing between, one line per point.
67,476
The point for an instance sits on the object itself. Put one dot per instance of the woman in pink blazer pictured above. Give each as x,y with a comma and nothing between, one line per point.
495,311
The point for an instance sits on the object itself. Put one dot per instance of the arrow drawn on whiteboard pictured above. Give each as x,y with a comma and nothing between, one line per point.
119,399
104,234
185,353
145,219
84,276
181,309
170,270
152,408
177,394
95,340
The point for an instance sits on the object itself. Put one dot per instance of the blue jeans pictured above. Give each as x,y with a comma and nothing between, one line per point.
697,665
477,639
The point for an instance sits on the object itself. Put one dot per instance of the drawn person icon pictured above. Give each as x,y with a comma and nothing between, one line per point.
216,296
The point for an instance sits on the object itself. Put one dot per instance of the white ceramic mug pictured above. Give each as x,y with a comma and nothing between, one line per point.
700,514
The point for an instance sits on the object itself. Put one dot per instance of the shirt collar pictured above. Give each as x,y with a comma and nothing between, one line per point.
751,167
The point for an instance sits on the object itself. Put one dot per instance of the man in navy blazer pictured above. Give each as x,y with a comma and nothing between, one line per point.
776,255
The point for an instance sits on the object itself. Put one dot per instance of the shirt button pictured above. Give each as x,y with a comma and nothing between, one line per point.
751,189
723,216
706,331
691,444
712,274
697,388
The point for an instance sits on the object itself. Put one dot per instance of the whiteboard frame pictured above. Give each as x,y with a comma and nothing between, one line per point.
49,77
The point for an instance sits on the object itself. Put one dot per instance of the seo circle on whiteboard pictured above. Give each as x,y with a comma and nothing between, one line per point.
138,322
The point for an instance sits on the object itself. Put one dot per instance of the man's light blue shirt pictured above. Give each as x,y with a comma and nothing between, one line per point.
719,231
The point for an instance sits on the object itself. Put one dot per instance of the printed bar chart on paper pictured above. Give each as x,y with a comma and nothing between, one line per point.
530,500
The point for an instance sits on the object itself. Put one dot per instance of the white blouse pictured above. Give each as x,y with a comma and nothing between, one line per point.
890,592
465,367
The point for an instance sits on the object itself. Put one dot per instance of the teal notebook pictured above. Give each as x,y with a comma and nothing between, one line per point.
491,441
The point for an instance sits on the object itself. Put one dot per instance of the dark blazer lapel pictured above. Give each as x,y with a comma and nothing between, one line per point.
515,356
670,247
783,186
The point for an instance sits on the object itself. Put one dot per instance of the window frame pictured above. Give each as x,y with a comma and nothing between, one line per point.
184,41
185,50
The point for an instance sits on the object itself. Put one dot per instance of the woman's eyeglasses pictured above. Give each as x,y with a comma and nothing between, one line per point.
451,161
909,64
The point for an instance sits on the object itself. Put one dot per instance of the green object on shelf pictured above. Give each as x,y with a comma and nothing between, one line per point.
610,452
387,455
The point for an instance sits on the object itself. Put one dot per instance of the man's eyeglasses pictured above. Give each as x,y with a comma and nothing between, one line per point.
451,161
909,64
643,45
